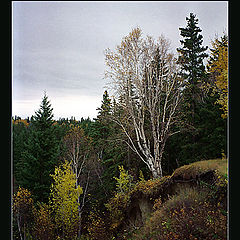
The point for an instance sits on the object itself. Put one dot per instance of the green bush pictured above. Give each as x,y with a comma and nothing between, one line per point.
124,182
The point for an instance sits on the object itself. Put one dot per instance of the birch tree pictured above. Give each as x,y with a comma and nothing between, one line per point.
64,201
78,148
23,211
144,76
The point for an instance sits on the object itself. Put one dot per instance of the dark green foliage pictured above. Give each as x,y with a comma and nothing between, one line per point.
108,152
19,137
192,55
40,154
210,139
102,124
202,131
111,149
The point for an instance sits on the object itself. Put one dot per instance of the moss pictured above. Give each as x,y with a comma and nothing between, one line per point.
152,186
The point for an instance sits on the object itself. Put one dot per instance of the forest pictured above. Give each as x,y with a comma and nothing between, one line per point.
151,165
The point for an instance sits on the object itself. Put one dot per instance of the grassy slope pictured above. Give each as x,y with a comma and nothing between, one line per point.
196,168
219,164
154,227
157,188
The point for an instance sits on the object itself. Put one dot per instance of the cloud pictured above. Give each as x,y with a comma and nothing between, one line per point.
59,46
67,107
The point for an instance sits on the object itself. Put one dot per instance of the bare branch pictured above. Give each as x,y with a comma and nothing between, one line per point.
144,75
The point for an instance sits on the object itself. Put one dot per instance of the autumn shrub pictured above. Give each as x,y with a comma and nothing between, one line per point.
152,187
119,203
98,226
117,207
43,224
23,211
125,180
186,215
220,195
189,204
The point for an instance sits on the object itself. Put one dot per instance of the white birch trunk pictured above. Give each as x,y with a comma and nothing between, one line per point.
144,74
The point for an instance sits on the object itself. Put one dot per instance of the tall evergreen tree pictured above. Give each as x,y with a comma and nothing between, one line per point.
191,57
102,130
20,131
41,153
106,107
111,152
203,132
102,124
192,52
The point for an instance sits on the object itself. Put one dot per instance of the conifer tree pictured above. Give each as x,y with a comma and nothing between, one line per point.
102,130
203,132
192,52
106,107
191,57
102,124
110,152
40,154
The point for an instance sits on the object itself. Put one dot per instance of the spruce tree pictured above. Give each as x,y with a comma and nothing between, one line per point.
102,121
191,57
203,132
40,154
192,52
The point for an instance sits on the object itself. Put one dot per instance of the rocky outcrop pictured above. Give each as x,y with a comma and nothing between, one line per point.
132,209
146,192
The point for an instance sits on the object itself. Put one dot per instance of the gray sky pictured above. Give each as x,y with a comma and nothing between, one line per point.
59,46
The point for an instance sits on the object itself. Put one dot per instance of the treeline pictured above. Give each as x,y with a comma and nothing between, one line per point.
167,111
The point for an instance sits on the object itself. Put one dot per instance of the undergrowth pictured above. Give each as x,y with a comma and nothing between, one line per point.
189,204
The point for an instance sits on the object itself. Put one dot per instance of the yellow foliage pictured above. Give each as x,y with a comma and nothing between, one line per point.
64,197
124,182
43,225
19,121
23,209
22,200
97,226
218,67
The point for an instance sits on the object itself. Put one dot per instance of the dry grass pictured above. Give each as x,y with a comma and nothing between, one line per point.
215,164
195,169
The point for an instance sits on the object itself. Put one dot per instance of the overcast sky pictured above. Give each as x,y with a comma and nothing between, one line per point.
58,47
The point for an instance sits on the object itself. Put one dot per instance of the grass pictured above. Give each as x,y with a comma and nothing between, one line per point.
197,168
219,164
192,211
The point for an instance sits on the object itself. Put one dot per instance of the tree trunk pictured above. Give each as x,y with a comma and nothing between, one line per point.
19,228
156,169
24,234
149,90
154,173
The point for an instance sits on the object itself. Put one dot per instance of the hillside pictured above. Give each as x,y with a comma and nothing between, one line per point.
189,204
